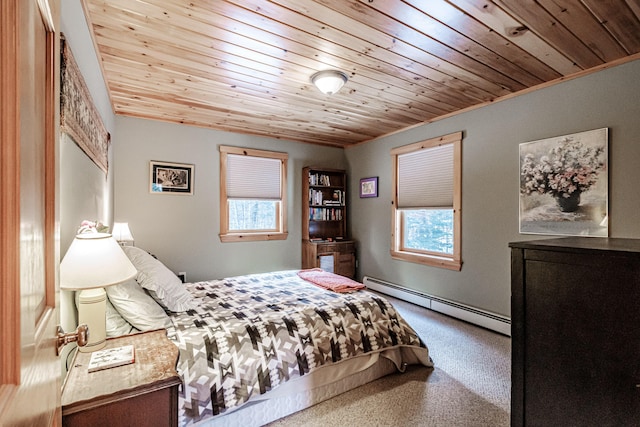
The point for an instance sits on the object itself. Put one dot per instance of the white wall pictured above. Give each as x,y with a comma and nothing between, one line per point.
85,191
181,230
490,181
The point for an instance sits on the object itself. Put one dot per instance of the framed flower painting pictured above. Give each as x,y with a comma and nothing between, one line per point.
564,185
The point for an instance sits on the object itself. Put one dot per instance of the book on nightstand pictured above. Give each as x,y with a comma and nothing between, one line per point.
111,357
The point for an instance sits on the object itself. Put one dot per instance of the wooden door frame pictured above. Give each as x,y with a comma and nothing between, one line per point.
10,199
10,227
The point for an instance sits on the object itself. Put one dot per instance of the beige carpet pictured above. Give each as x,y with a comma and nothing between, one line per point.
469,386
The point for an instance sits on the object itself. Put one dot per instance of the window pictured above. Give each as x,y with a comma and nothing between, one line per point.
252,194
426,205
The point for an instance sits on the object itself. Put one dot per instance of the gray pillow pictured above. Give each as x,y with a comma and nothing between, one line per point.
137,307
163,285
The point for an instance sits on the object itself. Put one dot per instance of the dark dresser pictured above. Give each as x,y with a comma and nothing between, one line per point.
575,316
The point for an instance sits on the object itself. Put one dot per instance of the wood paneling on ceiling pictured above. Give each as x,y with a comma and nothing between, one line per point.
245,65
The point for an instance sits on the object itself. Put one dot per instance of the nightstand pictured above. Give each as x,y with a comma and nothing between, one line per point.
144,393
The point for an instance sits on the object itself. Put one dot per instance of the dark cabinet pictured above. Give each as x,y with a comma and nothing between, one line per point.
324,222
575,312
324,204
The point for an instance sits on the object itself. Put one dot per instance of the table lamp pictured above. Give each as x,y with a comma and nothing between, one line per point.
94,261
122,233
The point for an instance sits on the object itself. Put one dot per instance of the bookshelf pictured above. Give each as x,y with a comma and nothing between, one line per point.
325,243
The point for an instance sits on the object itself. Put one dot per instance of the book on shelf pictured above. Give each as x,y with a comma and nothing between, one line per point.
325,214
317,197
111,357
319,179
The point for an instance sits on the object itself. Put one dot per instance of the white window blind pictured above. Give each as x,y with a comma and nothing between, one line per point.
425,178
251,177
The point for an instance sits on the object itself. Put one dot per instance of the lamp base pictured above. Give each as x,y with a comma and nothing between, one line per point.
92,307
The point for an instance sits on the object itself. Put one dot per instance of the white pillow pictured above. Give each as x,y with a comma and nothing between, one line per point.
163,285
137,307
116,324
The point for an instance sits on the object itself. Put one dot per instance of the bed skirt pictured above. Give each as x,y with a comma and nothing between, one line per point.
316,387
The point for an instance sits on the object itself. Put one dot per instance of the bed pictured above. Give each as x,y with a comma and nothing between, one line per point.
258,347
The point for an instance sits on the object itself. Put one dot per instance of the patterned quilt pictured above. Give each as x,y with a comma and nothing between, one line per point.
252,333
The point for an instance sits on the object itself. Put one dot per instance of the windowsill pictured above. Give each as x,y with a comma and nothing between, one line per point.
252,237
433,261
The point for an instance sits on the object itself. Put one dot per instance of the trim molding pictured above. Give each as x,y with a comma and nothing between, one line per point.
483,318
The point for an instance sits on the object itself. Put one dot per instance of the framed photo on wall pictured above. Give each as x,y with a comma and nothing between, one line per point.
170,178
369,187
564,185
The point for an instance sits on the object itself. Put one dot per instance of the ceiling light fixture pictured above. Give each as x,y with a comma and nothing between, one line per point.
329,81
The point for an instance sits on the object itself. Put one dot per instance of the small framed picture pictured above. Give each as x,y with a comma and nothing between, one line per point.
170,178
369,187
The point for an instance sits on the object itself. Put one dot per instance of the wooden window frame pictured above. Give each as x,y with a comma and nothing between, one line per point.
281,210
448,261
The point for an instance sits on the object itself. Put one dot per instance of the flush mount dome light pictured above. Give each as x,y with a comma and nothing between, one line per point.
329,81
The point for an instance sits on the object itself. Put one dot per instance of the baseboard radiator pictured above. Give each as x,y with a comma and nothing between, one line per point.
464,312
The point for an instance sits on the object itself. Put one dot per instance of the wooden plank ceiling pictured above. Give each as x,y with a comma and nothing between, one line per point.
245,65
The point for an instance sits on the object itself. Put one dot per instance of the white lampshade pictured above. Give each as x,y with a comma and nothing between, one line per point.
122,233
329,81
93,261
